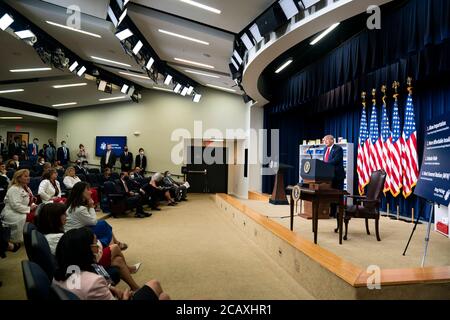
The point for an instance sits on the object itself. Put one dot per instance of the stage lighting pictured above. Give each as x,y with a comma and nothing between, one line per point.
308,3
44,54
124,34
184,91
289,8
138,47
168,80
197,98
59,59
112,16
122,16
73,66
131,91
124,88
234,64
150,63
102,85
237,57
247,42
190,90
25,34
255,33
5,21
177,88
81,71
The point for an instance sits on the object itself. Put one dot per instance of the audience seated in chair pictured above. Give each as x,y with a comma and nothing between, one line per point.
157,189
19,205
177,189
367,207
132,195
49,188
78,247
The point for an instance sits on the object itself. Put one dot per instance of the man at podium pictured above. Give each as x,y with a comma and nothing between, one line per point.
334,155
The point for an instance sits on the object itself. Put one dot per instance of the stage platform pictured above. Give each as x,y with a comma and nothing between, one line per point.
332,271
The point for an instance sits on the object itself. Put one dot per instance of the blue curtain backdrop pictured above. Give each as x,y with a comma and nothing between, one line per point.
325,97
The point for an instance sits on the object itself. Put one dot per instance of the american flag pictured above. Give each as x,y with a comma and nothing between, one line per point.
409,151
363,164
376,146
396,153
386,137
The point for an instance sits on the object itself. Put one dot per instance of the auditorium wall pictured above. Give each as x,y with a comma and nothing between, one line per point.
41,130
155,117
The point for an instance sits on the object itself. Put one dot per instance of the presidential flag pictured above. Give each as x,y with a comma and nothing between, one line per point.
376,146
363,160
410,161
396,153
386,139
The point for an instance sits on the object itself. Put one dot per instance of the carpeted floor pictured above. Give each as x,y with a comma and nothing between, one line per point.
195,253
364,250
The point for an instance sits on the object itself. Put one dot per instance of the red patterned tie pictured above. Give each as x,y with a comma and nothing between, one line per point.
327,154
34,150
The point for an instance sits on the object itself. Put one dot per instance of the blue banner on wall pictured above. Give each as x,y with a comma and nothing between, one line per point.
117,144
434,180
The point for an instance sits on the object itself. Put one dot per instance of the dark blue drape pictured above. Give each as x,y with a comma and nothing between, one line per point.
325,97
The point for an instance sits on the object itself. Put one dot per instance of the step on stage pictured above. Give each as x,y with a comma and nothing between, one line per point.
332,271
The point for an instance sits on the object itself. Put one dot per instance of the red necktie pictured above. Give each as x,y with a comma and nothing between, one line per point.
327,154
34,150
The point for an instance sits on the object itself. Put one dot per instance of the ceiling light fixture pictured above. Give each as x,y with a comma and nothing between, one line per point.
11,91
190,90
73,66
194,63
177,88
284,66
202,74
110,61
323,34
11,118
134,75
202,6
30,70
5,21
150,63
168,80
183,37
124,88
197,98
64,104
25,34
220,88
113,98
162,89
81,71
184,91
138,47
73,29
61,86
122,35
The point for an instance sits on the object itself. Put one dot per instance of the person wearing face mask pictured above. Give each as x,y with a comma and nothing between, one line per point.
126,160
33,151
177,189
108,159
63,154
50,152
141,160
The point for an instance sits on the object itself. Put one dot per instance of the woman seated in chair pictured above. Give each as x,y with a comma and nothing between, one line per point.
78,247
70,179
51,221
20,205
49,188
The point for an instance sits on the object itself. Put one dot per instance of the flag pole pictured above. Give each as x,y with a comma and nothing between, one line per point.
395,86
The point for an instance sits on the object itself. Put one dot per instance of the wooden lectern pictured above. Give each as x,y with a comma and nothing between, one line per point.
278,194
317,175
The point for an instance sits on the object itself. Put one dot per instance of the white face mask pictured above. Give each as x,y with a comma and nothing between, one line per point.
142,153
132,176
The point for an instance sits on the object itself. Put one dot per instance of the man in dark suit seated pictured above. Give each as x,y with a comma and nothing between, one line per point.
126,160
334,155
132,195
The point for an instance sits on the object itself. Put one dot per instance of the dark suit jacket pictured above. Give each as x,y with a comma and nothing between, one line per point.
131,187
60,156
126,161
30,150
138,163
111,163
14,149
336,158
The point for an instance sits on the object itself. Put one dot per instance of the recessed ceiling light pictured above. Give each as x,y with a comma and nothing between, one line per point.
282,67
134,75
323,34
64,104
5,21
220,88
11,118
110,61
113,98
194,63
202,6
162,89
183,37
73,29
25,34
30,70
202,74
197,98
60,86
122,35
11,91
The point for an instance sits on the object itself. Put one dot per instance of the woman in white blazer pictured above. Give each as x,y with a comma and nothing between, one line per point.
49,188
70,179
19,202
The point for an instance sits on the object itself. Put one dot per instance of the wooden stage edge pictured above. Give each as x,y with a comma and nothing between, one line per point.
352,274
254,195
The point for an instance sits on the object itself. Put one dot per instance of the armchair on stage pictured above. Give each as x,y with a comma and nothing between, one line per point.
367,207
